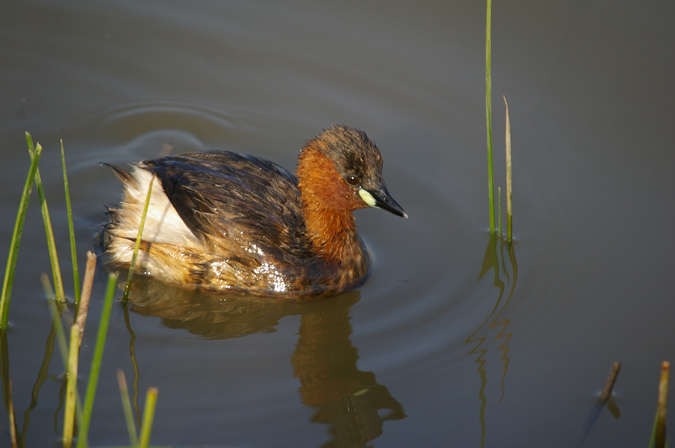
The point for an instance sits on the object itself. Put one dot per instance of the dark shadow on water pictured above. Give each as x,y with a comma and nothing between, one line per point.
500,257
350,401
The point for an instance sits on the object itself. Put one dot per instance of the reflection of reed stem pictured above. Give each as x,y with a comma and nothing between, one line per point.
42,373
134,362
4,367
493,260
12,417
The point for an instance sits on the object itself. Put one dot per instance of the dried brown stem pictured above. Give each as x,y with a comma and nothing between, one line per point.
86,292
663,406
609,384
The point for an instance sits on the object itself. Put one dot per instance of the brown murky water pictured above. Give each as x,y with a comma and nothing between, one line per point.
456,340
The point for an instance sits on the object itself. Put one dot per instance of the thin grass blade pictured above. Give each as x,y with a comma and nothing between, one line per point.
126,405
71,229
488,111
148,417
138,242
51,243
16,236
96,361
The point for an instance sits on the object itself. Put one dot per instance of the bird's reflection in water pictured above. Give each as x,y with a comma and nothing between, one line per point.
206,315
350,401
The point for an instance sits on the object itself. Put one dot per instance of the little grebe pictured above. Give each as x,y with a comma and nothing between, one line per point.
221,221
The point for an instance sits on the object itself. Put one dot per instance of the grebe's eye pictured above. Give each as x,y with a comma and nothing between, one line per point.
352,180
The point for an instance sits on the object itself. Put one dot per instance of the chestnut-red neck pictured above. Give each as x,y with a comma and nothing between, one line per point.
327,203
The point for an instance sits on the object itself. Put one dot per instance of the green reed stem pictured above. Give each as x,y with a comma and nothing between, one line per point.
71,229
126,406
127,287
51,243
499,208
509,178
488,110
16,236
71,387
148,417
96,361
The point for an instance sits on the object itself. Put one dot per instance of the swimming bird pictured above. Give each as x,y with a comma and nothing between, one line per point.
220,221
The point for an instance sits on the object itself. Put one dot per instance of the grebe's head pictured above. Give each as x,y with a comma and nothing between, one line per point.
342,168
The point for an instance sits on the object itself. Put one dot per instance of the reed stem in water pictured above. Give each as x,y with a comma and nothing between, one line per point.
488,111
71,230
148,417
127,287
96,362
71,387
609,384
658,439
126,405
51,242
16,235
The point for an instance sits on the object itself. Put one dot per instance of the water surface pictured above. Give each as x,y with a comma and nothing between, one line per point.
457,339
